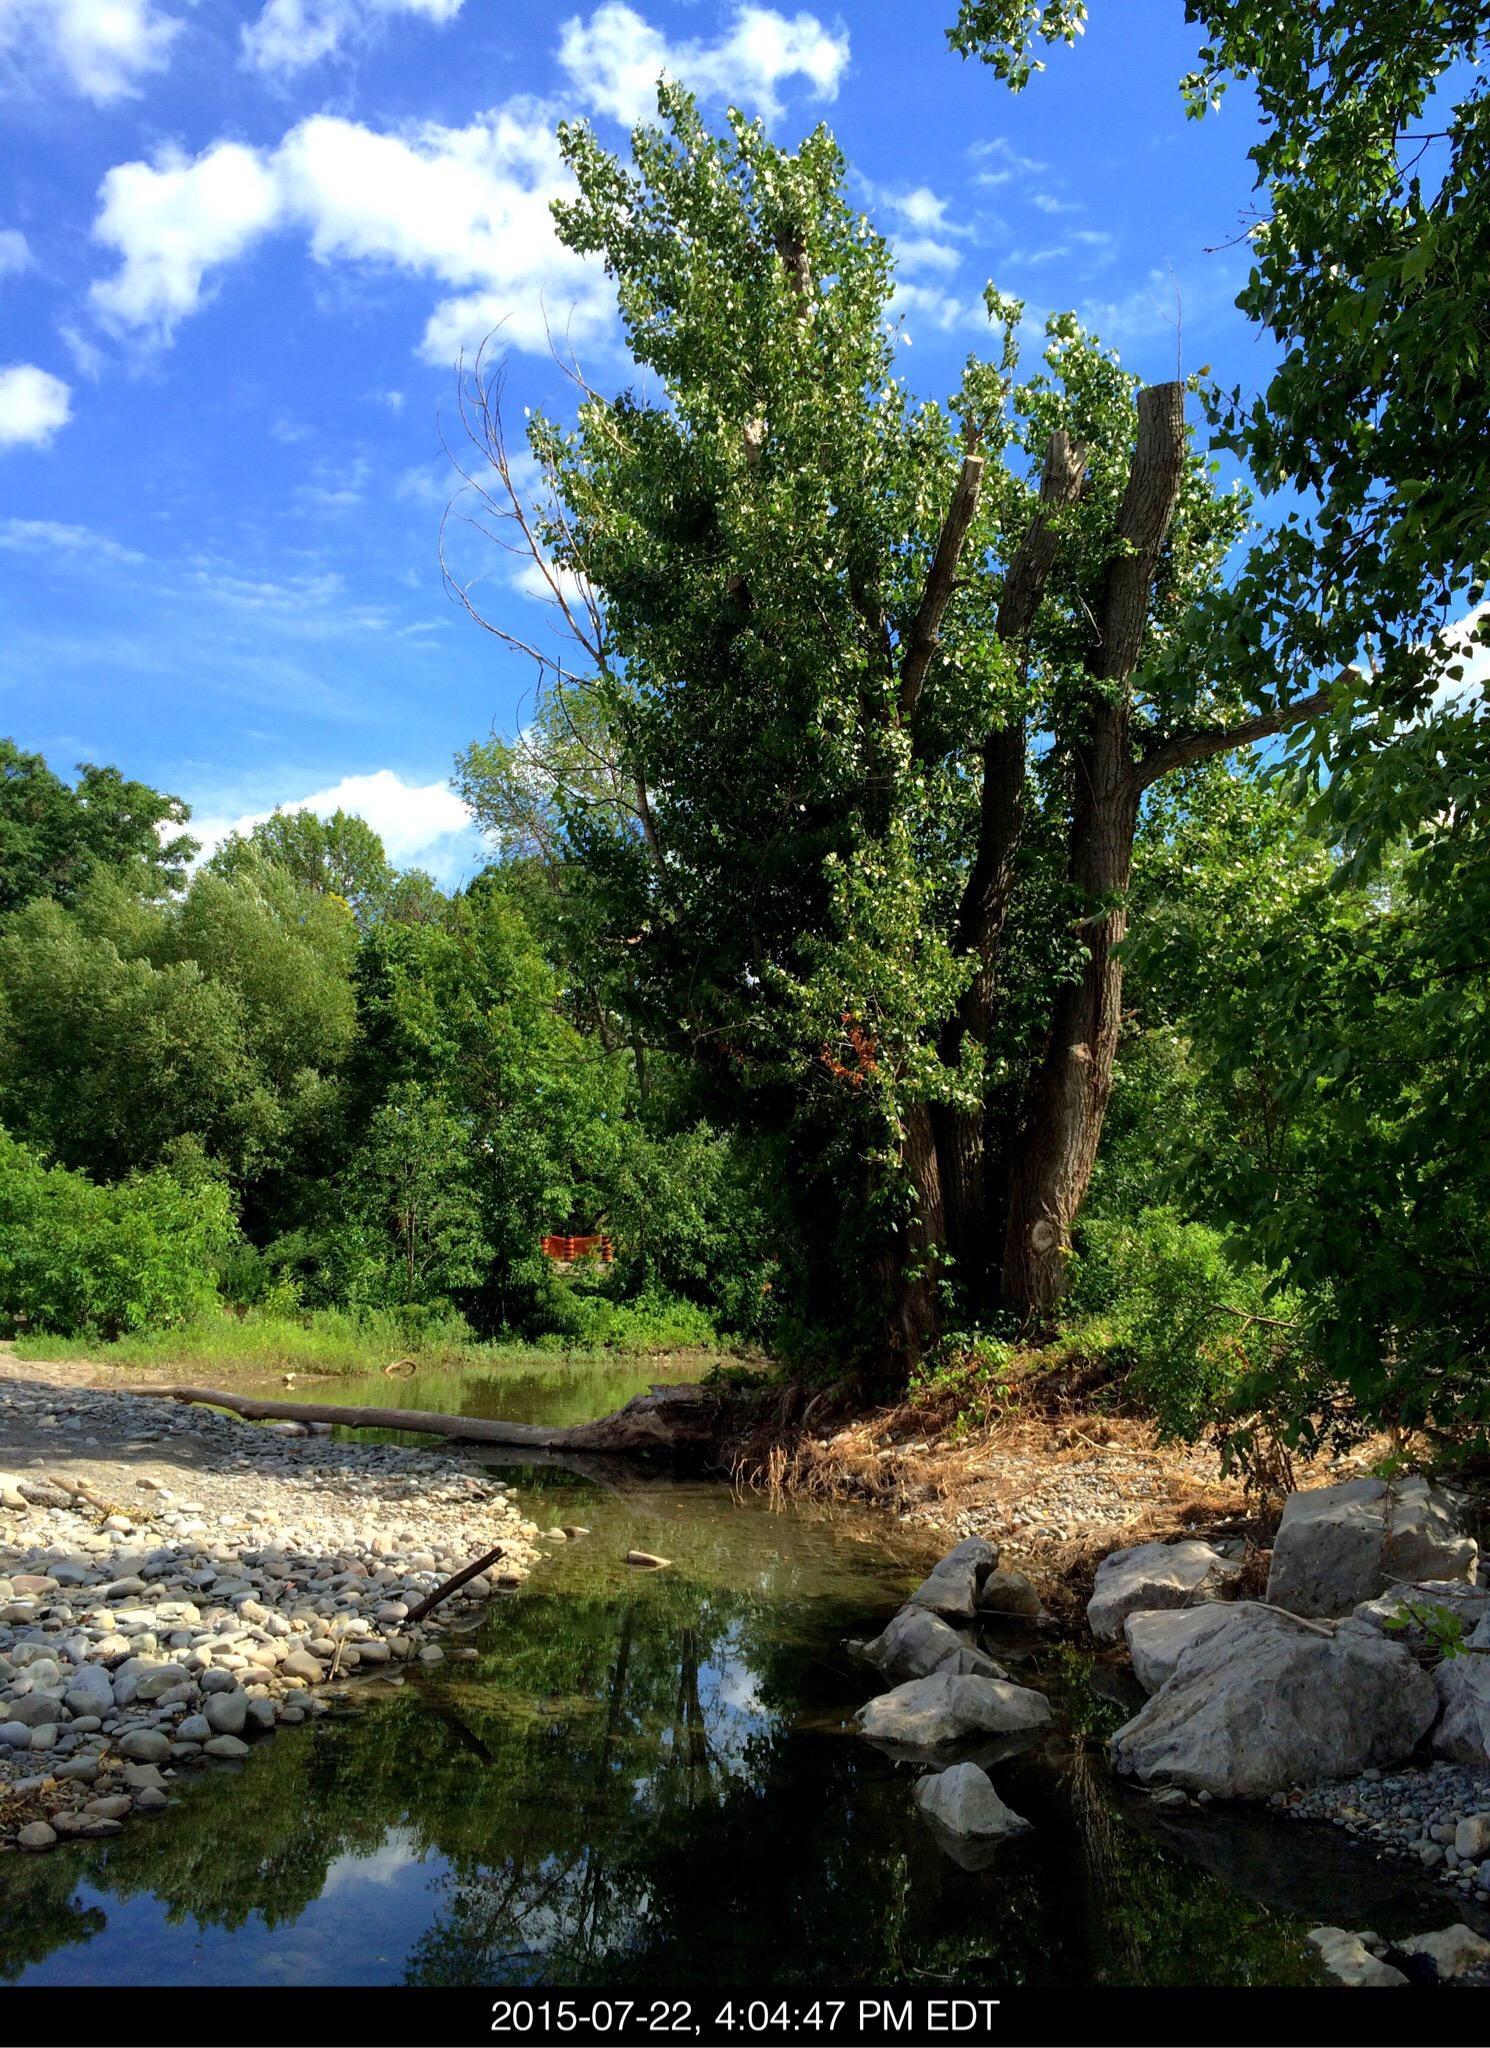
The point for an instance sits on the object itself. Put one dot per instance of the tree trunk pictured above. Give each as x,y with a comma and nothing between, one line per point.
980,928
909,1265
1062,1126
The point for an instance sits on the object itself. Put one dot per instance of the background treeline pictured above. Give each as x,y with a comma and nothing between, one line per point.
295,1080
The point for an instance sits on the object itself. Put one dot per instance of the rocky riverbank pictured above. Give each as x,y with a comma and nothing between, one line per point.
175,1583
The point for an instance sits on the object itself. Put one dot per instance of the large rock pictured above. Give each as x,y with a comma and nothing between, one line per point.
1155,1575
1463,1688
1339,1545
227,1711
933,1713
1452,1950
1010,1593
1469,1605
917,1642
951,1588
1259,1706
962,1800
145,1746
1349,1961
1158,1638
90,1691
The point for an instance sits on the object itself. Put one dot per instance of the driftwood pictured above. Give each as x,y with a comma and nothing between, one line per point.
668,1419
454,1583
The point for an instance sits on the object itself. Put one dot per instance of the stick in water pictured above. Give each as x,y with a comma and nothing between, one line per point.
454,1585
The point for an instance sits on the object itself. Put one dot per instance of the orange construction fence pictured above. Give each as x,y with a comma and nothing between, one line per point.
565,1249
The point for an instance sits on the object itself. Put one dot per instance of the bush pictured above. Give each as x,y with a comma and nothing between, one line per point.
579,1320
80,1259
1211,1348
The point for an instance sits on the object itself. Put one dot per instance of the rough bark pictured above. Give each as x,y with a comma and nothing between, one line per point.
1061,1127
921,641
990,883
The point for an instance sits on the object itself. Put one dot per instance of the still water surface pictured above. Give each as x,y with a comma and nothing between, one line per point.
646,1779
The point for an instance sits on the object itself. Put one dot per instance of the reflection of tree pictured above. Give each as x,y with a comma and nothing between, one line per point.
42,1915
642,1782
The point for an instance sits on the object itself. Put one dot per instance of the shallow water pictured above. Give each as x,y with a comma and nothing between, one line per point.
647,1779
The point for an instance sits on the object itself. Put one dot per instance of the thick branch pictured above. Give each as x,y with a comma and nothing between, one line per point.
985,899
1154,479
1032,561
921,644
1188,747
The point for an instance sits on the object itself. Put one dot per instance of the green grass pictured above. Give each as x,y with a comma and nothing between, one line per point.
332,1341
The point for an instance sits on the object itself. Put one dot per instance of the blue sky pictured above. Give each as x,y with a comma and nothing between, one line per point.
242,244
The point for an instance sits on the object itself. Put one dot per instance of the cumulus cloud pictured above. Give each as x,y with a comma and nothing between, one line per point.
421,824
172,222
291,34
929,307
33,405
15,252
99,48
466,207
615,59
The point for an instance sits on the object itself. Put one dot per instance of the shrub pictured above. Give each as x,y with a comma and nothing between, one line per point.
1212,1347
580,1320
80,1259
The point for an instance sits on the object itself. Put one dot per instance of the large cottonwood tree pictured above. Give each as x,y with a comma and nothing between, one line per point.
889,680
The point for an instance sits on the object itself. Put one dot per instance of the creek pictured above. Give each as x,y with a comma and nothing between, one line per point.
647,1779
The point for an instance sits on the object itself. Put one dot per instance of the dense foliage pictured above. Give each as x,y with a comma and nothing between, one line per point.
1337,1008
299,1081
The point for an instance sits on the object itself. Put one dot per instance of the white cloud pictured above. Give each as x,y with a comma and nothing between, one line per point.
924,252
533,581
99,48
51,537
928,306
15,252
922,209
1048,203
420,824
616,58
291,34
999,150
33,405
172,222
467,207
1465,650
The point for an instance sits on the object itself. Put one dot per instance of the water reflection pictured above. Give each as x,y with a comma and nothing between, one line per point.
646,1778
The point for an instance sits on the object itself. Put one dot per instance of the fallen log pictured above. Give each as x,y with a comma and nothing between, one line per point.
668,1419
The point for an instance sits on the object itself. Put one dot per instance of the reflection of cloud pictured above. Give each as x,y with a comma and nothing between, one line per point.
394,1855
737,1688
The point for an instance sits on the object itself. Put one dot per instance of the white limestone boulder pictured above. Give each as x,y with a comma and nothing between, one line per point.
962,1801
1348,1960
1154,1575
951,1588
1463,1687
1158,1637
1468,1604
917,1642
1259,1706
946,1708
1340,1545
